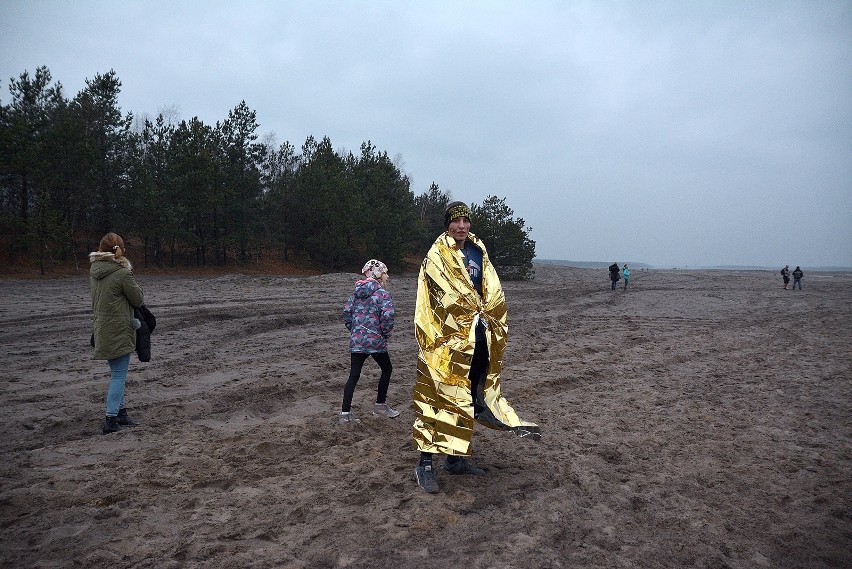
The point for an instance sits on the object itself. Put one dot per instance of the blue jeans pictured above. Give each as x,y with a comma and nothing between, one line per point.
797,282
115,394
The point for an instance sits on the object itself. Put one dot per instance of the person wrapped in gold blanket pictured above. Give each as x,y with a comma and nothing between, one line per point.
461,328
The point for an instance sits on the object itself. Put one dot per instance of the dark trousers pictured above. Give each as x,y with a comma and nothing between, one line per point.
357,362
478,371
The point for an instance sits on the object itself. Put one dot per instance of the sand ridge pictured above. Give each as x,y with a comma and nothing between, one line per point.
701,419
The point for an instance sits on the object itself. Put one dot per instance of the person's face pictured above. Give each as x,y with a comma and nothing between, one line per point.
458,229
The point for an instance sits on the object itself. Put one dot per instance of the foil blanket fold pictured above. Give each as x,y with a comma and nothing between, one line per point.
448,310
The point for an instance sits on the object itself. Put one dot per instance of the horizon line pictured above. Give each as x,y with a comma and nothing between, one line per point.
604,264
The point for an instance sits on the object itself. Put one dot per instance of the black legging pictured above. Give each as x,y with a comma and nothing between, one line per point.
357,362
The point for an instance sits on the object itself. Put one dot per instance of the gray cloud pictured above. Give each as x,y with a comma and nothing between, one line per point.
672,133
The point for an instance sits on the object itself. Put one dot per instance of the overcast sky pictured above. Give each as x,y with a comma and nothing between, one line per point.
671,133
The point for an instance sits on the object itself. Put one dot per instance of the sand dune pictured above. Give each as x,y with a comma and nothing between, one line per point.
701,419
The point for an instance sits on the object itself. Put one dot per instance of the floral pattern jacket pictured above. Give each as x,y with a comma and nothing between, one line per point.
369,315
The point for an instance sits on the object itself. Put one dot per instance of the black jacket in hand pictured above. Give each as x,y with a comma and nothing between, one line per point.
143,334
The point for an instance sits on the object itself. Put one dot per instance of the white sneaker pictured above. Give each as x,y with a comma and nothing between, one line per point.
347,417
386,410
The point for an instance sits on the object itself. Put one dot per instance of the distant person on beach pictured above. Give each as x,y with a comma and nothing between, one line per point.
797,278
614,275
625,272
369,315
114,296
461,328
785,274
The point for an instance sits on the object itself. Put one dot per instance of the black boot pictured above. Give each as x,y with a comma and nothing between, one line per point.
124,420
111,425
461,465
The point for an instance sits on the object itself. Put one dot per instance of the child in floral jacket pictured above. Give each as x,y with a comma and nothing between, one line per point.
369,315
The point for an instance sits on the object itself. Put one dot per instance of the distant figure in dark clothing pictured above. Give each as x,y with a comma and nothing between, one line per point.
614,274
797,278
785,274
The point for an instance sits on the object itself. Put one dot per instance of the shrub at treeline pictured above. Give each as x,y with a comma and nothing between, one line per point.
195,194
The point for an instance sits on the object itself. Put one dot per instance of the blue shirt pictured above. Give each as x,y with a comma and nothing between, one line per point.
473,262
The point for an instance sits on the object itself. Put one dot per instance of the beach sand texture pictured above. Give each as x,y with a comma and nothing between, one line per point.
700,419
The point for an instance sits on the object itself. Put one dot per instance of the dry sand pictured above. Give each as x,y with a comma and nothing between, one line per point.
701,419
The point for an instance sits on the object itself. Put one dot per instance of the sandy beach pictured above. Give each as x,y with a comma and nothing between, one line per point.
701,419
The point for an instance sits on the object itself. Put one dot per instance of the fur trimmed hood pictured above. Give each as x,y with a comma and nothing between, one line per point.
105,264
103,256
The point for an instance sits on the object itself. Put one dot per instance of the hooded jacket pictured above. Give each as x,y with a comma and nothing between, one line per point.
369,316
614,272
447,312
147,323
114,296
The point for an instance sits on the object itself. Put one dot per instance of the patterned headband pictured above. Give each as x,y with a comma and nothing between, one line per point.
456,211
374,269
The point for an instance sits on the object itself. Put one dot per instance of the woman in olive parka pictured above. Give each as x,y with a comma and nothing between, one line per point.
114,296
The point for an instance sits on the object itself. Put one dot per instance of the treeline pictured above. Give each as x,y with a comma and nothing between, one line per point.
198,194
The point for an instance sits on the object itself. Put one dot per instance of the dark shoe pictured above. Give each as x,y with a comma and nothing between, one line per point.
124,420
111,425
425,476
461,465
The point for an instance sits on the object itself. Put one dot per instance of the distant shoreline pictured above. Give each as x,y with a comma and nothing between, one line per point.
640,266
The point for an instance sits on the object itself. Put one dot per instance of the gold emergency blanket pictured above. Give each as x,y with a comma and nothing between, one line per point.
448,309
